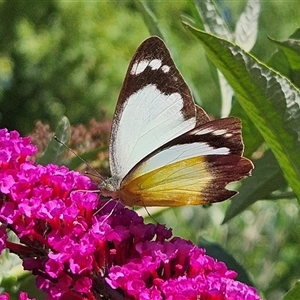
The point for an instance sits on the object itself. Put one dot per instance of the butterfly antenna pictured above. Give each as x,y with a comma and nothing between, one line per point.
84,161
148,213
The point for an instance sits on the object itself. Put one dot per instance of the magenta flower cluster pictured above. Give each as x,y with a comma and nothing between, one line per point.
23,296
80,247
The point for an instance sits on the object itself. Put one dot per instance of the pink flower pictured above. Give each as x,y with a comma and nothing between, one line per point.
22,296
80,247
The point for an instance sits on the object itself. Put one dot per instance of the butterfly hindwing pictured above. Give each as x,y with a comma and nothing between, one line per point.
197,180
193,168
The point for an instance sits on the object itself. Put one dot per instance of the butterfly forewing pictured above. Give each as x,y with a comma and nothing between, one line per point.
155,105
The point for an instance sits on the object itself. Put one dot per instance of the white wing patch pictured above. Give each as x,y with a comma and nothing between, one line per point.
149,119
177,153
155,64
216,132
204,131
219,132
165,68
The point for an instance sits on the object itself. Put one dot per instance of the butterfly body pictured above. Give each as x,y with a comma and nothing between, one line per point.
164,149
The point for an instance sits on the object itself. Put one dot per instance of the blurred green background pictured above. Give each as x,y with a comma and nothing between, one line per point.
69,58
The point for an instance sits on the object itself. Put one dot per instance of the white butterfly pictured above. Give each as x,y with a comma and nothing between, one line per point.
164,149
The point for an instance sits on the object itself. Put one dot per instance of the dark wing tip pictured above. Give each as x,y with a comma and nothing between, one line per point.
225,169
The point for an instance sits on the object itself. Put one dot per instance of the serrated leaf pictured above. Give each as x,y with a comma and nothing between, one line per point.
56,151
212,18
266,178
279,62
271,100
291,49
149,18
293,293
247,25
216,251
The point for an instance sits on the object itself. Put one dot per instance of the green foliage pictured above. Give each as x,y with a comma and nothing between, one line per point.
294,293
269,99
63,61
267,178
59,58
56,150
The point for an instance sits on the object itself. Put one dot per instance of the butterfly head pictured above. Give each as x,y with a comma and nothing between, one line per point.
110,187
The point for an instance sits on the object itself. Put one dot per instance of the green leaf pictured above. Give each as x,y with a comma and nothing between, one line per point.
291,49
8,261
279,60
296,34
271,100
212,19
56,151
246,26
91,155
266,178
293,293
149,18
216,251
19,281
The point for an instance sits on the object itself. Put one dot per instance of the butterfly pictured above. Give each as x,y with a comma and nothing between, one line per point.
164,149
